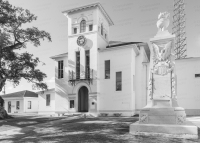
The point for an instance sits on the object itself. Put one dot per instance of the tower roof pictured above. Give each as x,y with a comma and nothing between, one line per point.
89,6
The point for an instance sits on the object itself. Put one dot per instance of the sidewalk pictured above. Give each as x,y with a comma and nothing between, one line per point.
195,120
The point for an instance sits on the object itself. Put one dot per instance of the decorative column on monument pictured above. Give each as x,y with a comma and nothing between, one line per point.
162,113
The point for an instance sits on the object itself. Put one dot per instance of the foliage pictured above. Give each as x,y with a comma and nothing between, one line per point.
3,113
13,37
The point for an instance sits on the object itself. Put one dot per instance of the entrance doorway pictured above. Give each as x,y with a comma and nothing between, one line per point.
9,106
83,99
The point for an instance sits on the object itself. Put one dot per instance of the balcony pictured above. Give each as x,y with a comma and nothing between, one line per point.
74,79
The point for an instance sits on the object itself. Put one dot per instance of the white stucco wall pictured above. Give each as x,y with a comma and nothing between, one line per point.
61,87
43,109
110,100
34,104
61,100
188,87
141,80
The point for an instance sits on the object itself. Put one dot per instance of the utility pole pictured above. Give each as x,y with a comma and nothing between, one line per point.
179,23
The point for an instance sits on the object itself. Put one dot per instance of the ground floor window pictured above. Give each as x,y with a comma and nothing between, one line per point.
71,103
118,81
17,105
29,104
197,75
48,99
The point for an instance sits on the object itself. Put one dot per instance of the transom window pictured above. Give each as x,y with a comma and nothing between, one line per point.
82,26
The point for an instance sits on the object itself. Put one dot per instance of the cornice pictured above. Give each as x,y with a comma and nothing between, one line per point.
97,4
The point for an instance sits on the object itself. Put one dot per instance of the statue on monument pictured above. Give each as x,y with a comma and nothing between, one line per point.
163,21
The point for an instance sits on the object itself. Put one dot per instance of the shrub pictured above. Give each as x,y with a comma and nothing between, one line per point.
3,113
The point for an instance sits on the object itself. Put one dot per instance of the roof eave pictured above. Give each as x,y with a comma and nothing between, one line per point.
133,45
59,56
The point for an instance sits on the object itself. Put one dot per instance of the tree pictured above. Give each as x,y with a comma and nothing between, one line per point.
14,65
1,102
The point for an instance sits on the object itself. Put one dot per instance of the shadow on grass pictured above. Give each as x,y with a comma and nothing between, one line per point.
23,121
86,130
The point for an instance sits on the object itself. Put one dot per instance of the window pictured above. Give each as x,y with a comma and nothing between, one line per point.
101,29
48,99
133,83
71,103
118,81
107,69
90,27
78,65
17,105
29,104
60,69
87,64
75,30
82,26
197,75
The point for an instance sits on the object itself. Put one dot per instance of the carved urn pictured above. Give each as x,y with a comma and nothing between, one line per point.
163,21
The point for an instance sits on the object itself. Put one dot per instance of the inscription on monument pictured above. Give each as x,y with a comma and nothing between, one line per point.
162,86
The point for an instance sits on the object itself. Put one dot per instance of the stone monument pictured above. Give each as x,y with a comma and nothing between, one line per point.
162,114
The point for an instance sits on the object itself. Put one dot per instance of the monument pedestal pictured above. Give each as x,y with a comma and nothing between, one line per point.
160,117
177,131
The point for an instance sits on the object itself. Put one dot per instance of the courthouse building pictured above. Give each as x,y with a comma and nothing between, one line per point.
98,75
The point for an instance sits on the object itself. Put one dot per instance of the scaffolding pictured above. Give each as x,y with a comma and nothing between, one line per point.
179,23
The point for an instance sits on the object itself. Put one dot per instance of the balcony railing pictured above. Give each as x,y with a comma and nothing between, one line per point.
73,79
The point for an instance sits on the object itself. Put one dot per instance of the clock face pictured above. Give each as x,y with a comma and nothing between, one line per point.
81,41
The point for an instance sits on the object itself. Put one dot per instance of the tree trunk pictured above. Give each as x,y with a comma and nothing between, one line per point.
2,83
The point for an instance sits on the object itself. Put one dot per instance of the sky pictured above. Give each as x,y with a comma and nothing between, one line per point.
134,21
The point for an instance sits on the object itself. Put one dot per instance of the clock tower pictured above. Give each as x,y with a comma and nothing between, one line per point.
88,31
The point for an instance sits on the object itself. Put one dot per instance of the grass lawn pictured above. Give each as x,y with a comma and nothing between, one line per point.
24,121
75,129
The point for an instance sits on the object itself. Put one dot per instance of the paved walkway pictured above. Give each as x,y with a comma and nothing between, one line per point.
195,120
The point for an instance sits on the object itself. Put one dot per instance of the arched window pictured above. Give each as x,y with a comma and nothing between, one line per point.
82,26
